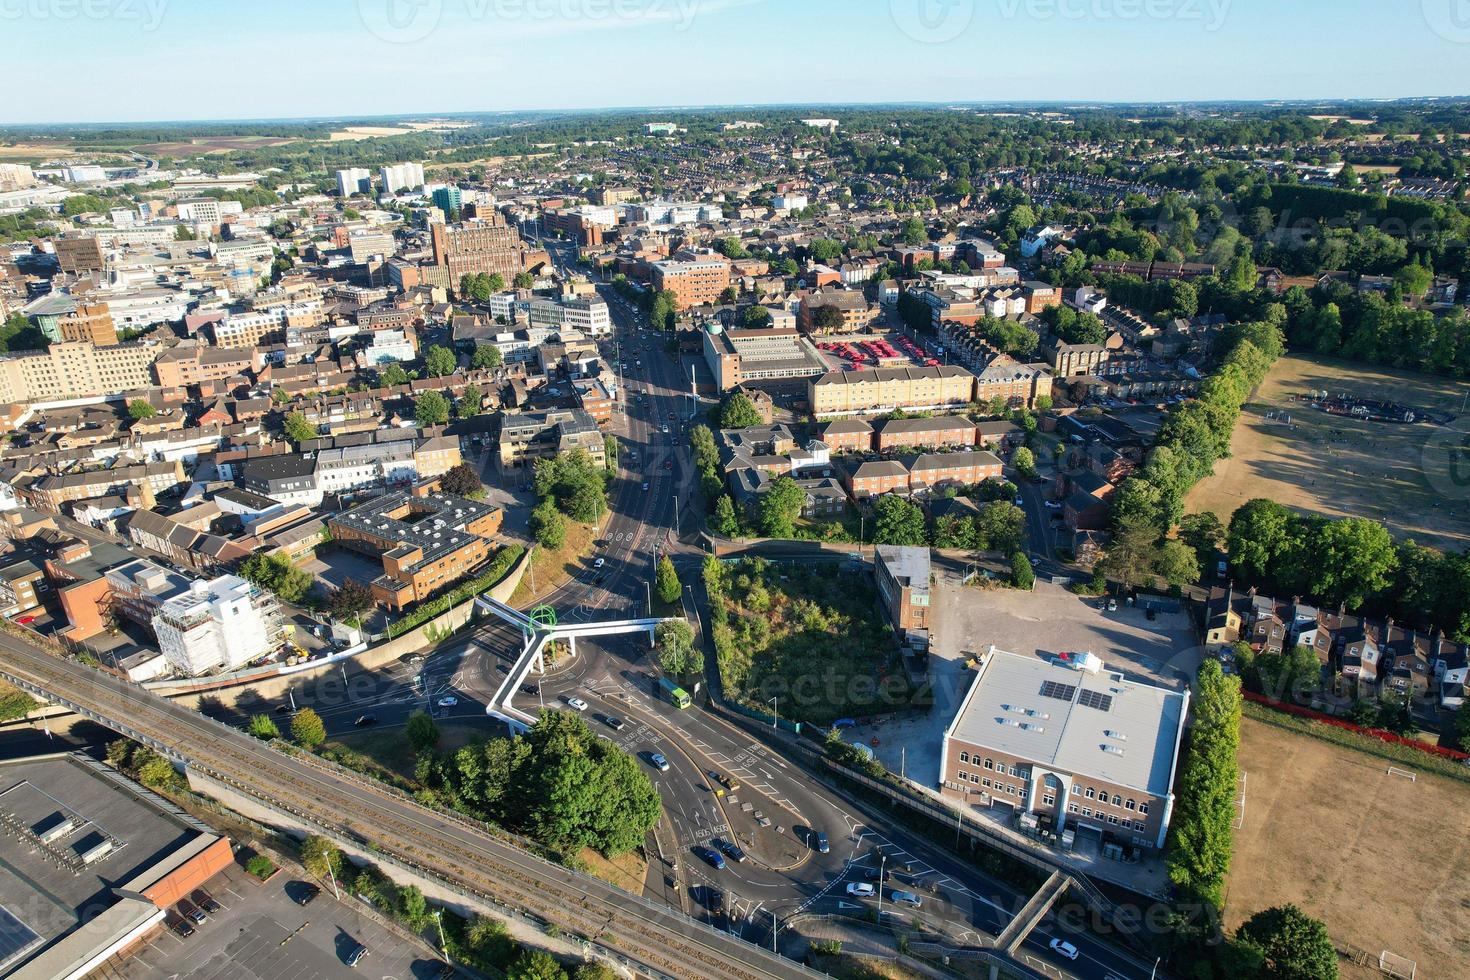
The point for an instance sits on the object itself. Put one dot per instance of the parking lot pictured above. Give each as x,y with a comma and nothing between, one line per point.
260,933
1045,623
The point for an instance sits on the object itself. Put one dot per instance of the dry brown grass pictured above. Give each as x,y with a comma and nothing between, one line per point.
33,151
1383,861
551,569
367,133
211,144
1344,467
626,871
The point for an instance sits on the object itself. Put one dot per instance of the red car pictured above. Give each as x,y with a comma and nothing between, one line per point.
26,620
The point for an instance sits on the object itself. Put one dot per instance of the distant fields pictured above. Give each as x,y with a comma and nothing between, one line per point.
1398,475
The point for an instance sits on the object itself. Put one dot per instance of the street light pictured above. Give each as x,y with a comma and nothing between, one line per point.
882,862
776,717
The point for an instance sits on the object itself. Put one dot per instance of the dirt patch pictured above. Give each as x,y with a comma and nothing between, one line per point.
367,133
1405,476
212,144
551,569
1377,857
626,871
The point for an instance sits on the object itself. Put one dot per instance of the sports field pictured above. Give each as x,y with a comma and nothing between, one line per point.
1383,860
1415,479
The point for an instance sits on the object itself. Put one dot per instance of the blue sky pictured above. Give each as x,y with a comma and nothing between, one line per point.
128,60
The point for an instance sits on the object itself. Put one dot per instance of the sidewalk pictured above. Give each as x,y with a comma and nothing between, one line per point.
856,940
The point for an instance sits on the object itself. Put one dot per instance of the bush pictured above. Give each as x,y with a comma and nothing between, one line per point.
261,866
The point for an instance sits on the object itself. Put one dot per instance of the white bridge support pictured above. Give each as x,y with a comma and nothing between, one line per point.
533,655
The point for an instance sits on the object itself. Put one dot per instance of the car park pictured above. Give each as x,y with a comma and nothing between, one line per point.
860,889
1063,948
207,903
577,704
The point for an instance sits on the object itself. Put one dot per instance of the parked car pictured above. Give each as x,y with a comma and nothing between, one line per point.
364,721
355,957
307,894
207,903
1112,605
1063,948
616,724
599,562
903,897
183,928
193,912
860,889
710,856
531,689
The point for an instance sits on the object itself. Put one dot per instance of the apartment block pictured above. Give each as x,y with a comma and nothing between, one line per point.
483,245
218,625
878,390
942,432
79,256
696,283
89,322
1085,747
186,365
77,369
903,585
425,543
354,180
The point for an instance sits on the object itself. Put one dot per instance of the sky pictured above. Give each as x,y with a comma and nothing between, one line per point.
132,60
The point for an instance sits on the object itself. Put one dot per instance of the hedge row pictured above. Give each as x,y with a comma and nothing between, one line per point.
1381,734
499,567
1348,737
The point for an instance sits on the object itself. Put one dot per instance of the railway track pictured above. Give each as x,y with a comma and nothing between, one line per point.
447,847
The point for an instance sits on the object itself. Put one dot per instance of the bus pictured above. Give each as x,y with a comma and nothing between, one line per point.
675,694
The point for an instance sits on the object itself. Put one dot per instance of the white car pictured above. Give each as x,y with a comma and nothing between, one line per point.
577,703
1063,948
1053,505
599,563
447,701
860,889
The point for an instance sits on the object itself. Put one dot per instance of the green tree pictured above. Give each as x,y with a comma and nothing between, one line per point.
278,574
413,906
440,361
1205,793
307,729
1022,575
575,482
732,248
393,375
524,280
1001,527
496,282
468,405
321,857
677,654
1295,946
139,409
664,310
726,523
263,727
826,251
914,233
431,408
349,601
780,506
548,525
897,521
487,357
666,581
738,412
421,732
1131,559
755,318
1024,461
535,964
297,429
1204,533
610,450
1353,558
1178,563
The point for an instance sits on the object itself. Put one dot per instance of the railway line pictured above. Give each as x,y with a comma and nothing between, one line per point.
447,847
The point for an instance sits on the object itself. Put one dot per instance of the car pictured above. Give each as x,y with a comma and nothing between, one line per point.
903,897
658,762
355,957
1053,505
577,704
306,895
183,928
819,842
283,709
861,889
664,429
191,911
645,486
26,620
668,464
728,848
1063,948
531,689
599,562
714,900
710,856
503,668
616,724
364,721
1019,501
207,903
447,701
723,780
1112,605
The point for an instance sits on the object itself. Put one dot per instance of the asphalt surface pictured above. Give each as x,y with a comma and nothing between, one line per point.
774,810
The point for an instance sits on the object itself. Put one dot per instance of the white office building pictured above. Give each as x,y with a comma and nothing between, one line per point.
354,180
402,177
87,173
221,624
588,314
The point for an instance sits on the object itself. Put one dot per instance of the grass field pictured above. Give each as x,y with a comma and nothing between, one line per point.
1406,476
1382,860
23,152
210,144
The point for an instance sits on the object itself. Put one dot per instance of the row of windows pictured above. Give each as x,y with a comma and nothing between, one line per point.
1111,818
1001,767
1102,797
1000,787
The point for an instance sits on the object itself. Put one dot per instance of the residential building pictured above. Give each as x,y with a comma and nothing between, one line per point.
693,283
878,390
80,256
1089,749
848,436
448,199
401,177
217,625
940,432
287,477
857,313
366,243
426,544
485,244
527,437
354,180
1073,360
91,323
77,369
934,470
192,364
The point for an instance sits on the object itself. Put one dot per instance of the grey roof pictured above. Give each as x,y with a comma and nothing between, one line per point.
1098,724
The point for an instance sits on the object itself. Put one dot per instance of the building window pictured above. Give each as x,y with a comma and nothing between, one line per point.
989,764
1128,804
1072,807
1117,800
1086,812
1143,808
986,782
1015,772
1090,792
1112,819
964,757
1049,800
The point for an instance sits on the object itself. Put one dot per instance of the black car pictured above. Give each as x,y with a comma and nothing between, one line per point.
207,903
364,721
616,724
732,851
531,689
819,842
307,894
183,928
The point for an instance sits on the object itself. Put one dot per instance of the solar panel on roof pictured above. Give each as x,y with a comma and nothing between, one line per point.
16,937
1098,700
1058,690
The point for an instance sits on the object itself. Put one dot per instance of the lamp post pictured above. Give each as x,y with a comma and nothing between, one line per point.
776,716
882,863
